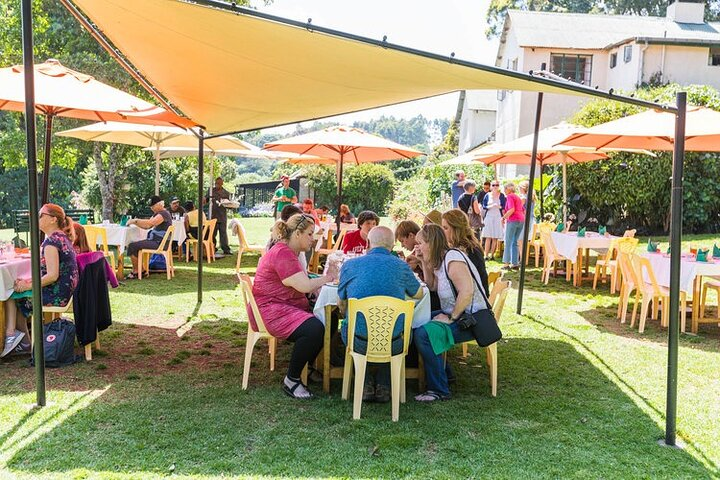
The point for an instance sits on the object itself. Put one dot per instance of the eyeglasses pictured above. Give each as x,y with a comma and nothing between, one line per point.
494,184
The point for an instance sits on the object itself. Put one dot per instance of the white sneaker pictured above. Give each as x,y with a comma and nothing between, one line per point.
12,341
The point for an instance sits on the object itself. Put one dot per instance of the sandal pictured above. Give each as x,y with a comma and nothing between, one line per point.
290,391
430,396
131,276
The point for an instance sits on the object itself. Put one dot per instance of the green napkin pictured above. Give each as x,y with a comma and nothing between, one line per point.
581,232
702,254
716,251
602,229
440,336
560,227
123,221
668,251
83,220
652,246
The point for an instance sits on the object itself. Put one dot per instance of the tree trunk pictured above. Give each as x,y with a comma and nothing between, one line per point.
106,178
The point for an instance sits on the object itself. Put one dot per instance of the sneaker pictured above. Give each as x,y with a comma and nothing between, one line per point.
382,393
12,341
21,349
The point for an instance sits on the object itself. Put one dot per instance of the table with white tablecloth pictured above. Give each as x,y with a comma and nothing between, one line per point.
11,270
691,273
569,245
328,300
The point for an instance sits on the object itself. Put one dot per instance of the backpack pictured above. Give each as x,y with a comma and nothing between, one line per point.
157,262
58,343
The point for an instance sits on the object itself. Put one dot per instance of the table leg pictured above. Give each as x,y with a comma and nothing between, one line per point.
578,267
326,348
2,323
121,266
697,282
587,261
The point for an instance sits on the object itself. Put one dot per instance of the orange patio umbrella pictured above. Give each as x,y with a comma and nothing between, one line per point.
60,91
339,145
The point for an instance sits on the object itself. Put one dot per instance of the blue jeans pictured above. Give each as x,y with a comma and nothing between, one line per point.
435,372
512,235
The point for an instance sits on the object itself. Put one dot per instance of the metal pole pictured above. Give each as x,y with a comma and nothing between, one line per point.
339,189
211,198
157,168
201,191
542,190
46,166
564,174
528,202
676,204
30,141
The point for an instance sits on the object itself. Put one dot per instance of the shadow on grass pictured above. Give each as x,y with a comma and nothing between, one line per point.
556,416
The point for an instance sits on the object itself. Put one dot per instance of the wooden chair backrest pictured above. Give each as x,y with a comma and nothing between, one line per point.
548,243
492,278
339,241
166,243
246,286
495,288
209,229
499,302
381,314
626,252
93,233
242,239
546,227
642,264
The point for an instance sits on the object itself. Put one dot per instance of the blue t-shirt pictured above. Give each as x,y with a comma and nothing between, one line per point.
457,192
376,273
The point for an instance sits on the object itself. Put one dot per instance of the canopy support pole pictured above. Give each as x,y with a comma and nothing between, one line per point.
339,173
201,191
564,175
542,191
46,167
157,168
676,207
212,187
31,146
529,202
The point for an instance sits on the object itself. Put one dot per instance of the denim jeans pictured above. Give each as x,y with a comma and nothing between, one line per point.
512,235
435,372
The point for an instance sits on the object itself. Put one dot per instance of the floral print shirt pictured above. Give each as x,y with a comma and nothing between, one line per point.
58,294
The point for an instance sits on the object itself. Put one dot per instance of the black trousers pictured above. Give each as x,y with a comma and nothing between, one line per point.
308,340
221,227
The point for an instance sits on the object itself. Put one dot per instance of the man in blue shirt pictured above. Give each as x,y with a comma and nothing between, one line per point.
376,273
456,187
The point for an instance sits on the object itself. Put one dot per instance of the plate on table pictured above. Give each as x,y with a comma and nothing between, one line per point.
24,255
2,261
332,284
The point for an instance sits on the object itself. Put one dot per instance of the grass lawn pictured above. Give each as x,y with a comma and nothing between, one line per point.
579,396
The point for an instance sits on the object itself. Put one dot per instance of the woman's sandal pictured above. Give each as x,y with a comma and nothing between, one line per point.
131,276
430,396
290,391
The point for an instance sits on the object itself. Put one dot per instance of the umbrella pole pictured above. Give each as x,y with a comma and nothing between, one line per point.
212,185
201,189
157,168
676,204
339,173
46,165
542,207
564,175
526,233
30,142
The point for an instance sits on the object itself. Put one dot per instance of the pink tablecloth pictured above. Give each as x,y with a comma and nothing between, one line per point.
11,270
689,269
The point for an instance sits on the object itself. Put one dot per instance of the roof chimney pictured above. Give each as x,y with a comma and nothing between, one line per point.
686,12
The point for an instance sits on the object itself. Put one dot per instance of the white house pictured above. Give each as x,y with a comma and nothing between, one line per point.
609,51
477,121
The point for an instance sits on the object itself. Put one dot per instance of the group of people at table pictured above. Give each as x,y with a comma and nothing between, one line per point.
446,256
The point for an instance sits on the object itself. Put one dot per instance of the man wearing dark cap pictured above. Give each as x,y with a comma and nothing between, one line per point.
284,195
219,212
175,208
157,224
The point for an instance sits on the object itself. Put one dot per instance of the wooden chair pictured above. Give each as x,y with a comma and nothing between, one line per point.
713,283
164,249
207,239
493,277
551,257
315,260
253,336
380,313
244,246
491,351
652,292
94,234
534,242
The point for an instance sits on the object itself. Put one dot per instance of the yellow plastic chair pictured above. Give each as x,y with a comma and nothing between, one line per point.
244,246
493,277
536,244
253,336
551,257
652,292
609,263
208,244
380,313
164,249
94,234
629,280
713,283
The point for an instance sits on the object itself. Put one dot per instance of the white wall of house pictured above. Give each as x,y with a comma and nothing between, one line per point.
475,128
684,65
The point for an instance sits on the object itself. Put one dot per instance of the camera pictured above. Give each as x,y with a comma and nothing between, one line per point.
466,321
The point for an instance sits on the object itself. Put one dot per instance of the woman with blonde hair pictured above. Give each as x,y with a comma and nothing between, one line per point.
280,290
346,215
59,277
460,235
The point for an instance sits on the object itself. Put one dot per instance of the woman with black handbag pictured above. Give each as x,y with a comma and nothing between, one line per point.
465,309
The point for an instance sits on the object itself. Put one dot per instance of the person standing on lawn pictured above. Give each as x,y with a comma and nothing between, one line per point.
219,212
456,187
377,273
468,203
514,220
284,195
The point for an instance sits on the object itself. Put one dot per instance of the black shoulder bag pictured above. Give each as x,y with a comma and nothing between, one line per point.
483,324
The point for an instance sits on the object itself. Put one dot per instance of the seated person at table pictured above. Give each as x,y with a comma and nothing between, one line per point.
158,225
405,234
460,235
280,290
308,207
191,219
322,212
79,239
445,270
175,208
346,215
377,273
356,241
59,277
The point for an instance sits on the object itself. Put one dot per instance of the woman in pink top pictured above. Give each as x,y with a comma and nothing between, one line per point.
514,219
279,289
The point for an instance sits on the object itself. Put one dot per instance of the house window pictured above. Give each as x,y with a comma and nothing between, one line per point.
714,59
576,68
613,60
627,53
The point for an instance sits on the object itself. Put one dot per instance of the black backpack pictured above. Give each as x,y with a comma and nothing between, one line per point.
58,343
